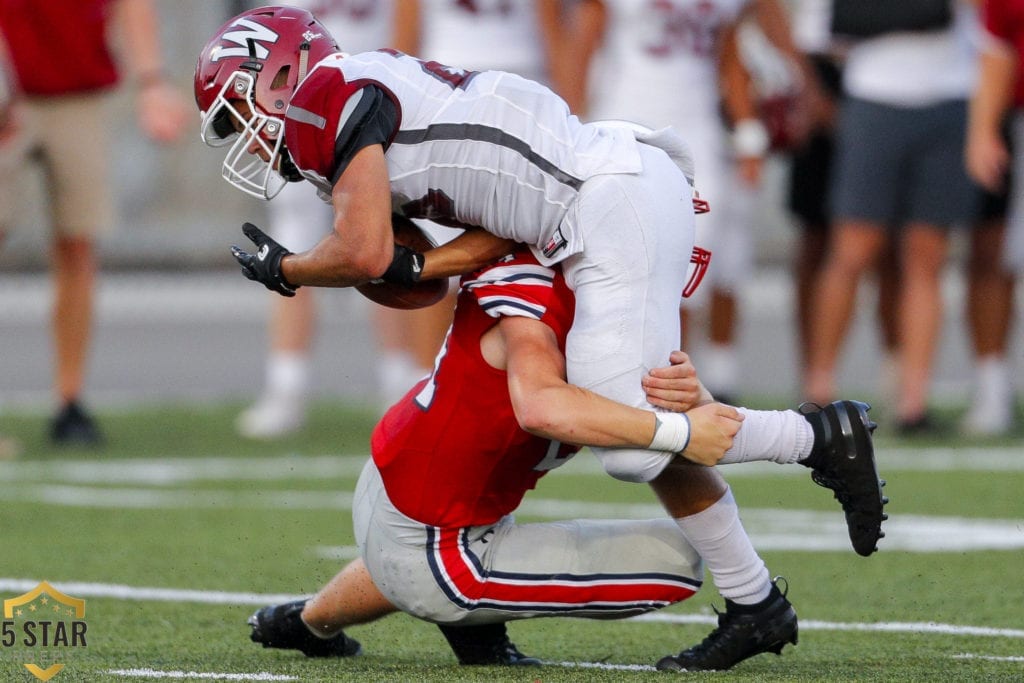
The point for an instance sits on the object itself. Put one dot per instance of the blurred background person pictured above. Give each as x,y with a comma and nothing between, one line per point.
679,63
899,175
67,58
810,176
811,161
997,246
299,219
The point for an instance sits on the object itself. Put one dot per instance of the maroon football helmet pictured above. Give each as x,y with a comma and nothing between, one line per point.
245,77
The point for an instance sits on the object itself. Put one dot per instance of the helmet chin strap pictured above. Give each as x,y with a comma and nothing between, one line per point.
252,64
303,61
287,168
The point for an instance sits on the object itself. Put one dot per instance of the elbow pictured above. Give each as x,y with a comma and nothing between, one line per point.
370,265
359,265
537,417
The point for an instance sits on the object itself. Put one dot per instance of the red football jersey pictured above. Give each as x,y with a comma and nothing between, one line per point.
59,47
1005,20
451,452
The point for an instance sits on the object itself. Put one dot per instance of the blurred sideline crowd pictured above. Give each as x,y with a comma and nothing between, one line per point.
895,125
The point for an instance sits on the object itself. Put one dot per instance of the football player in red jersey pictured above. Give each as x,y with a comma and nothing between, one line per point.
494,417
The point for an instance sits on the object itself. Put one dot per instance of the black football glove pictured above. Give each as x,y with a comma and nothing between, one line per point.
406,267
265,265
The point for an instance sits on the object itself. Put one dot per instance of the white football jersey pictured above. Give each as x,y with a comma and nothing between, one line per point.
483,34
657,65
488,149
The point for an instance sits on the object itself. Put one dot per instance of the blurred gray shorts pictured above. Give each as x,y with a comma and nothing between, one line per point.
896,165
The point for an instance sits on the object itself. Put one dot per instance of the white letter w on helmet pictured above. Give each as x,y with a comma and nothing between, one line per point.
252,30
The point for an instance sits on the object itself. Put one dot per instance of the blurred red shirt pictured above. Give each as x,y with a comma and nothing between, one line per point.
1004,19
59,47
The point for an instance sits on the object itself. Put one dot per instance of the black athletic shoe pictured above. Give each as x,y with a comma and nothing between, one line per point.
72,426
743,631
485,644
843,460
281,626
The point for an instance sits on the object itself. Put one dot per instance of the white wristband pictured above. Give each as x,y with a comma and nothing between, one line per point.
671,432
750,138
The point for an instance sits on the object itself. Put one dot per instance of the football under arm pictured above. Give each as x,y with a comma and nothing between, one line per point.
361,246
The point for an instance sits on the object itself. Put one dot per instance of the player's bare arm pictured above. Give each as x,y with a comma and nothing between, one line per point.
470,251
361,246
546,405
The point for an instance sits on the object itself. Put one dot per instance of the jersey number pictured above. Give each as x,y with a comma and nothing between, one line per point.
456,78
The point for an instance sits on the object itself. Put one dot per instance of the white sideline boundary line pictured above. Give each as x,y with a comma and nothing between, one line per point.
770,529
153,673
172,471
122,592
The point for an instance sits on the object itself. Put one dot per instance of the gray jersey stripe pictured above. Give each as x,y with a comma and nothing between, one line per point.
305,116
481,133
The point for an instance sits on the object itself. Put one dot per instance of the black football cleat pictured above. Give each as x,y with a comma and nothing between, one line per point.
843,460
485,645
281,626
74,426
743,632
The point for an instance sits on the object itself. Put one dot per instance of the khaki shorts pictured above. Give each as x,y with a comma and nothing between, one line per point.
68,137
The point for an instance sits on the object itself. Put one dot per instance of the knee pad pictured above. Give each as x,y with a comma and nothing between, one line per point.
635,466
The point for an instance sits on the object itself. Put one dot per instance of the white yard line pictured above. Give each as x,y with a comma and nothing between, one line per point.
605,666
153,673
988,658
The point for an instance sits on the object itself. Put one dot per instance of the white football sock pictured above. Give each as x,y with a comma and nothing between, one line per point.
781,436
720,368
397,372
718,535
288,374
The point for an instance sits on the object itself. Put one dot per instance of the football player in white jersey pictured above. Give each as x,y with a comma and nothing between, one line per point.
486,150
493,153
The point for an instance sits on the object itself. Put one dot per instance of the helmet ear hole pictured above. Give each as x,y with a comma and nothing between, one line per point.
281,77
